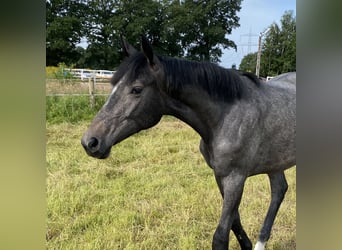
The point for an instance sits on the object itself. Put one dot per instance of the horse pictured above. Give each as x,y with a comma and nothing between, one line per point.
247,127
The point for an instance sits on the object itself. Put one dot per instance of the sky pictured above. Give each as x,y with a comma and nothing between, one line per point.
255,17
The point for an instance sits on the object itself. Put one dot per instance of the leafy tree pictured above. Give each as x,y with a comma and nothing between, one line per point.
203,25
248,63
63,30
134,18
194,29
101,35
279,49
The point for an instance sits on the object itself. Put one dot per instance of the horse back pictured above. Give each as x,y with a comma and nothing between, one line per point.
258,133
277,146
286,80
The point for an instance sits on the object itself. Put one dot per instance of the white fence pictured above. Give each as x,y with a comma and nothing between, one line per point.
90,76
88,73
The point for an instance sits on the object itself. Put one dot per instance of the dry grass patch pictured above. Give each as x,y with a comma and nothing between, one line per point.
154,192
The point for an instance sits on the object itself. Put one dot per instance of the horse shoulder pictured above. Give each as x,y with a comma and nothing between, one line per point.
231,141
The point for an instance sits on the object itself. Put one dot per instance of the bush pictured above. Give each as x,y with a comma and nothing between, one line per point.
59,72
50,72
71,109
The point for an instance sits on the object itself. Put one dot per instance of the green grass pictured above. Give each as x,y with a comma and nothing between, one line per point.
154,192
71,109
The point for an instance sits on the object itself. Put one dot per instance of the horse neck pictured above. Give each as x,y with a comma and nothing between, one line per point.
190,97
197,109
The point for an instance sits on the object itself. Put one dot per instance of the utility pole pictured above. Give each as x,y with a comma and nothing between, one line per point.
257,68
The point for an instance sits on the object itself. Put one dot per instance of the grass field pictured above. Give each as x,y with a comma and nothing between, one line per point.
70,108
154,192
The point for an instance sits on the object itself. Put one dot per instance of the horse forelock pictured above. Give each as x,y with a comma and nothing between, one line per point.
131,68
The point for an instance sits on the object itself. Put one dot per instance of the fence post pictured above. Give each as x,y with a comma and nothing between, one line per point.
91,91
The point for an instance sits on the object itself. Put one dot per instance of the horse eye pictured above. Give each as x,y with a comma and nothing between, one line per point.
136,90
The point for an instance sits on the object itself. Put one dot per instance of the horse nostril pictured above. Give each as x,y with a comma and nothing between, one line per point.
92,143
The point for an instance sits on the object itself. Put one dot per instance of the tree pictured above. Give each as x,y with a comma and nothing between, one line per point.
193,29
101,35
279,49
63,30
202,27
248,63
134,18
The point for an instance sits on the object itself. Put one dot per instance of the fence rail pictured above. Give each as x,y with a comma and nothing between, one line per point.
66,94
89,73
59,88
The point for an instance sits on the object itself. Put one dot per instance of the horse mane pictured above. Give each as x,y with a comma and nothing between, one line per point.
220,83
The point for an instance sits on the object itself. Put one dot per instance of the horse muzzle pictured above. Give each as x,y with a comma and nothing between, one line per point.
95,147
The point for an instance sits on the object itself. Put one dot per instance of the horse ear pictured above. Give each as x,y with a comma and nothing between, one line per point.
126,47
148,51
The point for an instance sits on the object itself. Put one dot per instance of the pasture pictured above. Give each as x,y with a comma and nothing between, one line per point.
154,192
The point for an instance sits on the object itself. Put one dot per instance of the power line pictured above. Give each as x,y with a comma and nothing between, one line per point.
245,44
250,35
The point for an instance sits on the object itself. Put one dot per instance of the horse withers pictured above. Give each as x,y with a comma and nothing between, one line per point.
247,127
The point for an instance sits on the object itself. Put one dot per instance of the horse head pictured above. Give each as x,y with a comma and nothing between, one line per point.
135,103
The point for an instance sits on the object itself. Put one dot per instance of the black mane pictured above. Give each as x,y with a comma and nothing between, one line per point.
220,83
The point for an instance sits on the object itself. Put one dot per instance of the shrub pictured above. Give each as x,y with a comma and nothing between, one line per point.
59,72
71,109
50,72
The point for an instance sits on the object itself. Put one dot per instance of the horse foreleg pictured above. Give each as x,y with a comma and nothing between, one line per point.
232,186
240,234
237,228
278,190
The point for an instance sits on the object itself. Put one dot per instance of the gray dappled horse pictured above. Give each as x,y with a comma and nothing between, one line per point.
247,127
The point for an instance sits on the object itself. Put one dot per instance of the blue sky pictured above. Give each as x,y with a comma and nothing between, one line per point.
255,17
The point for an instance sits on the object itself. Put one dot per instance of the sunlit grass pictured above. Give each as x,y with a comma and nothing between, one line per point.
154,192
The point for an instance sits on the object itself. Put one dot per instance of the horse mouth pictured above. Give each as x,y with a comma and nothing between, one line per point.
103,155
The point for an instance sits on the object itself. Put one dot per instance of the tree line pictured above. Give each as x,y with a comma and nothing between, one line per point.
195,30
278,50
